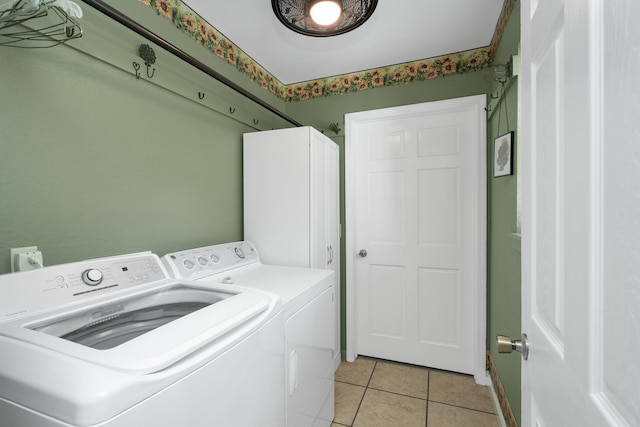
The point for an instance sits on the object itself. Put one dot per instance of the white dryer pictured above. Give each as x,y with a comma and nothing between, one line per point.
307,298
116,342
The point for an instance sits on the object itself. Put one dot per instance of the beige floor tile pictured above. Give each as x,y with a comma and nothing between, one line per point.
337,425
459,390
441,415
382,409
357,372
347,398
402,379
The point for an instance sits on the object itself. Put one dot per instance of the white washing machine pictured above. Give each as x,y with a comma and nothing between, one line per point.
116,342
307,298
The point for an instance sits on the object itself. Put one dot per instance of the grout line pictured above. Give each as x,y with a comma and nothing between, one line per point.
375,365
364,394
426,417
397,394
464,407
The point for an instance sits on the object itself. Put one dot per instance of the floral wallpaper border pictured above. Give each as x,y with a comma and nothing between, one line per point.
197,28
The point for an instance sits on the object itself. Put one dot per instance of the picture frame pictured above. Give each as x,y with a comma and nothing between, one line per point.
503,155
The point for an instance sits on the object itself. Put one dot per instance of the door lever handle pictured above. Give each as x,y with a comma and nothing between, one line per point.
506,345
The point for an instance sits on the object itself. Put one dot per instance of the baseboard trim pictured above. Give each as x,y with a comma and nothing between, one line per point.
498,393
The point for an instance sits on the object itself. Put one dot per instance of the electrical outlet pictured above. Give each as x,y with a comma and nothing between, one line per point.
16,251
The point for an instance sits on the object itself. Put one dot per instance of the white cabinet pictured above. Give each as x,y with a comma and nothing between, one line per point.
292,201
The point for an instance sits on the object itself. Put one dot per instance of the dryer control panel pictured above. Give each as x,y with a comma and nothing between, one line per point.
59,285
201,262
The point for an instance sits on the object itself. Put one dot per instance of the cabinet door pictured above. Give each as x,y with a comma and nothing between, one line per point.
333,232
276,195
320,256
325,213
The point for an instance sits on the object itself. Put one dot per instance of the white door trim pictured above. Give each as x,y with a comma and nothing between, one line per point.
477,103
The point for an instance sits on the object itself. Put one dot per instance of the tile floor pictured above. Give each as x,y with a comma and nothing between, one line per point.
378,393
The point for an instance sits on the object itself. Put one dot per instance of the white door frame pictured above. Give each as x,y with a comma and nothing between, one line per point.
477,102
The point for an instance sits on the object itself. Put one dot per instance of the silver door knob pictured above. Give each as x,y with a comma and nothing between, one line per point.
362,253
507,345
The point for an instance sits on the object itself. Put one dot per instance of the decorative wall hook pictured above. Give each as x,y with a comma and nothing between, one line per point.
148,56
232,110
136,68
255,122
334,127
200,95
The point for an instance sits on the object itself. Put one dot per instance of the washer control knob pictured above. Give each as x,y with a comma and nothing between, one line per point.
240,253
92,277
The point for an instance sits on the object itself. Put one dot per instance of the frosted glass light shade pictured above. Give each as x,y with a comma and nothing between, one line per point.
325,12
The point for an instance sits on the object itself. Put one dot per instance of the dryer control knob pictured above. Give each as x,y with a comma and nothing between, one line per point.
92,277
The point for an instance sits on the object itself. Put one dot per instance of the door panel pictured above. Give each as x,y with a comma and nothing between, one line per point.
439,296
581,205
417,199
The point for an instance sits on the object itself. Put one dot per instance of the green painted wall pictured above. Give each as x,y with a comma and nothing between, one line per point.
94,162
503,268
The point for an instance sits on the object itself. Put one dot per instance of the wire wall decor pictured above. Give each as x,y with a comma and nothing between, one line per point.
56,22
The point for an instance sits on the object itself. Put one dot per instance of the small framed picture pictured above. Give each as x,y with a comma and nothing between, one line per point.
503,155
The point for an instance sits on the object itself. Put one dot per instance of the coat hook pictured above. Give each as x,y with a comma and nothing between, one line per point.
149,56
255,122
136,68
232,110
201,95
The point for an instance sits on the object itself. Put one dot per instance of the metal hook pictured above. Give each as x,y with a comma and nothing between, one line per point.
255,122
200,95
136,67
232,110
149,56
334,127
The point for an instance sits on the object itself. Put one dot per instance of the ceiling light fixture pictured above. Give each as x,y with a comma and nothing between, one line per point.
323,18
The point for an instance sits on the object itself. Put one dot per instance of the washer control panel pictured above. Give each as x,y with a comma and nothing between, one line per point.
57,285
208,260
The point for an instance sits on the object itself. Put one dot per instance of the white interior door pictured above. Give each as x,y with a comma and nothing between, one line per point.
581,212
416,187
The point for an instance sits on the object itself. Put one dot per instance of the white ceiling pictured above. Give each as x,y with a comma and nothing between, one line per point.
399,31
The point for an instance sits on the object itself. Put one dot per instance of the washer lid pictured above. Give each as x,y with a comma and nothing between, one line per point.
147,331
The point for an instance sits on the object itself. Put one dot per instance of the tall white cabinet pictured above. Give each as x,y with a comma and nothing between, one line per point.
292,202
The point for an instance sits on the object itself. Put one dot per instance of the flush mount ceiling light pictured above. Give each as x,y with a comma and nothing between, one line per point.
323,18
